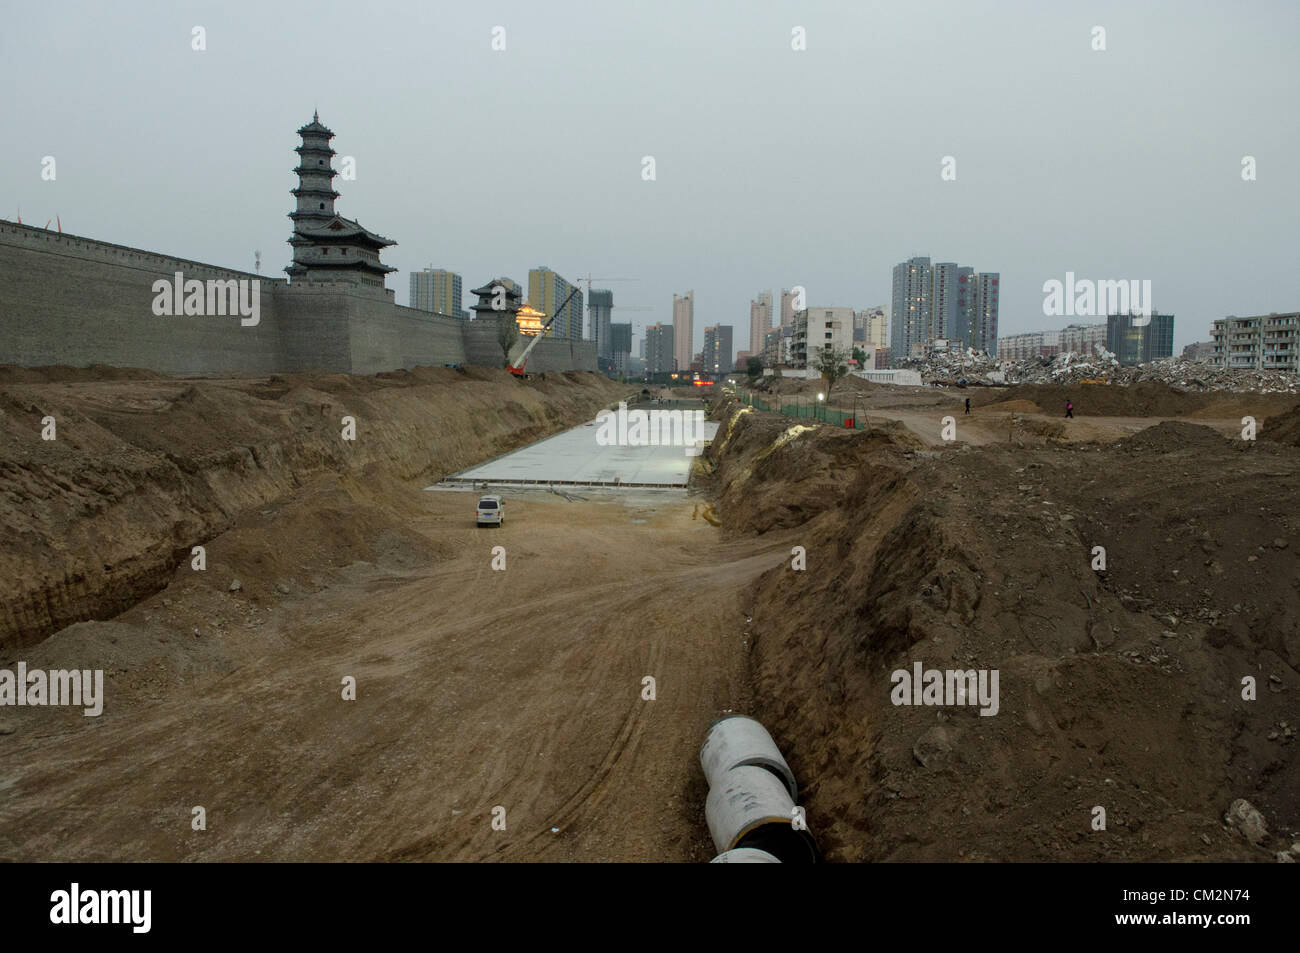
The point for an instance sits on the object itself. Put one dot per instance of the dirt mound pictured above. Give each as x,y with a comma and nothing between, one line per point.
1119,687
1170,436
1147,399
1013,407
771,471
1284,428
142,470
771,384
63,373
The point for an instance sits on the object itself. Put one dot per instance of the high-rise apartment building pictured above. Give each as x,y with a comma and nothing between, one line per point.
912,287
547,291
948,321
437,290
1135,339
716,356
659,349
601,309
787,307
1263,342
760,320
965,311
620,346
984,313
870,328
944,301
683,330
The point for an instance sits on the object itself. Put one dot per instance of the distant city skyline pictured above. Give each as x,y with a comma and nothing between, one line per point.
1126,162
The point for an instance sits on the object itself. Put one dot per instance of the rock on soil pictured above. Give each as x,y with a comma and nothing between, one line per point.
1243,816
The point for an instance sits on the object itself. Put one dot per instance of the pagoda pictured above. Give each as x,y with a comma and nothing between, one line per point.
510,299
327,246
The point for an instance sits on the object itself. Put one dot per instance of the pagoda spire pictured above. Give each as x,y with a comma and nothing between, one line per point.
326,245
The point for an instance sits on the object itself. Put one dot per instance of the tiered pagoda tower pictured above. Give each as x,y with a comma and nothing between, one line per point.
327,246
511,300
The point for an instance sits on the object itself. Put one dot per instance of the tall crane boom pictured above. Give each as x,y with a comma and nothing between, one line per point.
518,368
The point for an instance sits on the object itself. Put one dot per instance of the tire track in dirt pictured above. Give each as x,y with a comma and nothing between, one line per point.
464,676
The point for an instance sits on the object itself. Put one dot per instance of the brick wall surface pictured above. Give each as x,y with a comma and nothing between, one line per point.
65,299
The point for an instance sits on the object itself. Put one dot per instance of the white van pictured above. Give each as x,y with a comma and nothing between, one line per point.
491,511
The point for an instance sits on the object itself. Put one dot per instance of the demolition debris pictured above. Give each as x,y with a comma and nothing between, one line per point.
1102,368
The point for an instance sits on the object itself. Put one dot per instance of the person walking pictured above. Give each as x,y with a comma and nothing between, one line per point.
1069,409
968,405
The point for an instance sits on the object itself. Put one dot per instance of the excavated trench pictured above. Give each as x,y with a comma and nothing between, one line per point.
142,470
1119,688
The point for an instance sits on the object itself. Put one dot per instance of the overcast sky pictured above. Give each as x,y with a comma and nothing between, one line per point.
774,167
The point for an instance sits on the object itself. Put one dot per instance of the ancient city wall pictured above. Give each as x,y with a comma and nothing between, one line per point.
71,300
65,299
551,354
558,354
384,336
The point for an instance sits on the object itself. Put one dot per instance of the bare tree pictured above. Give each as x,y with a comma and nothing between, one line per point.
507,334
833,362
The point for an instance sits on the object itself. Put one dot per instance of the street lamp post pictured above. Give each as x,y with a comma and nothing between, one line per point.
821,415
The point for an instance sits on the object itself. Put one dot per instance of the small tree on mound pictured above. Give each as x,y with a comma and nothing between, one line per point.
507,335
754,368
833,362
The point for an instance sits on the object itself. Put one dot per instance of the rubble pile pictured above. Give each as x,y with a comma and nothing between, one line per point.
957,365
1071,368
1196,376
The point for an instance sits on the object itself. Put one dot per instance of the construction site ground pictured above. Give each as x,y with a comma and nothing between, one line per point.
525,689
476,689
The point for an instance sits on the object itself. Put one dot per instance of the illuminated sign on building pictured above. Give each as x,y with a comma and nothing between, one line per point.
530,321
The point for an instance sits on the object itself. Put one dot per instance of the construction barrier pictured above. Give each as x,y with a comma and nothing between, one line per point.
806,408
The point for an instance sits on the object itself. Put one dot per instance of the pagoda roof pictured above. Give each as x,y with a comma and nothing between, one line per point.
302,191
316,126
299,267
339,228
487,288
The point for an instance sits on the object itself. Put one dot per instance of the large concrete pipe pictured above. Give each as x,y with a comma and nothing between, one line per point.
750,807
737,740
745,855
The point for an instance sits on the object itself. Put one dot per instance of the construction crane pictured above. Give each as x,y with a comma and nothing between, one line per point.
590,279
517,368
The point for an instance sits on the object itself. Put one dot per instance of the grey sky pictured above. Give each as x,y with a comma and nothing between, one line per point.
774,167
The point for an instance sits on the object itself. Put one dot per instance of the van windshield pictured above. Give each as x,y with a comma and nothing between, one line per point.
487,504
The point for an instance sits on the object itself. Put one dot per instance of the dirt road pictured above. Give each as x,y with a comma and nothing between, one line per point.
475,689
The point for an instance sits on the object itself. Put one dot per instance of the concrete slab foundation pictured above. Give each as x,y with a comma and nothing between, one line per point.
574,458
